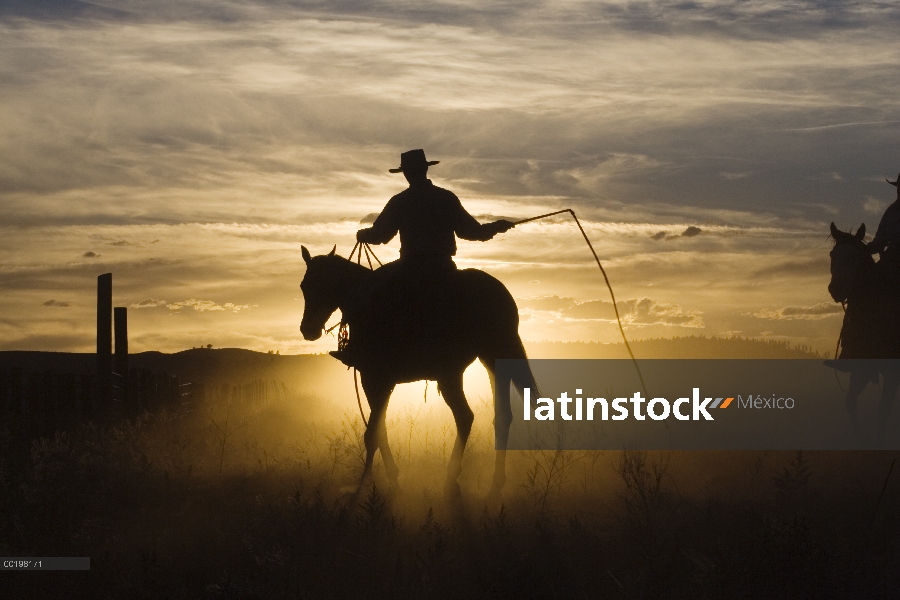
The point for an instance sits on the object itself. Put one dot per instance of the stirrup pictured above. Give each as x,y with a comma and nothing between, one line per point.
345,357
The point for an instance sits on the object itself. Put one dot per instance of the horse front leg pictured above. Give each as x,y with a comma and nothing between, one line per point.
390,465
378,392
452,390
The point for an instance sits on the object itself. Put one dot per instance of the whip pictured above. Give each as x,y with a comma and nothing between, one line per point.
612,295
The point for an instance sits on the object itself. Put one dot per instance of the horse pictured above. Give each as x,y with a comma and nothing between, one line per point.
472,316
871,327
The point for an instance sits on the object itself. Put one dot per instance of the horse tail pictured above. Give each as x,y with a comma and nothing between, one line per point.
517,374
522,377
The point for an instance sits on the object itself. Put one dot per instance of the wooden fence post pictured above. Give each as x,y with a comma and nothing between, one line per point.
104,336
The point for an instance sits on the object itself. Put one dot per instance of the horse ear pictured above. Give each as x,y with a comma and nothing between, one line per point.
305,254
834,230
332,250
861,232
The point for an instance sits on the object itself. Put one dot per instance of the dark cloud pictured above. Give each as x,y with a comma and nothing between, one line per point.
59,9
90,254
736,18
691,231
57,304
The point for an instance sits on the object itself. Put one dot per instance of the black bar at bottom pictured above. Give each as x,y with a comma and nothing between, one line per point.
53,563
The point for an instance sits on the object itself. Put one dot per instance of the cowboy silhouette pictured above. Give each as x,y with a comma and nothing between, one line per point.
428,219
887,238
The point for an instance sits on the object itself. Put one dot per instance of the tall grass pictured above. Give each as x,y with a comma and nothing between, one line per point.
178,504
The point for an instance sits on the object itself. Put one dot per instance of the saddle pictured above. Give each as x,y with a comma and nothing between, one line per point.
404,307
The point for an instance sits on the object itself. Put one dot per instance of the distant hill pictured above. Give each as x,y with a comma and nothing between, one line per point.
323,375
311,373
679,347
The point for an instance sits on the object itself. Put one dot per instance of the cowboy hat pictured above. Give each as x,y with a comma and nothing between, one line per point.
412,159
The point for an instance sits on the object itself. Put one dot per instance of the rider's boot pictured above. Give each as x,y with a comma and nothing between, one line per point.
843,366
349,352
347,355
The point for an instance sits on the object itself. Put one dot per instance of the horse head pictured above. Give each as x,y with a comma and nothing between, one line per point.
848,257
321,287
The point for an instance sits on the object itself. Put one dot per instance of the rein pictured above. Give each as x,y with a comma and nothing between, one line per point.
837,347
343,335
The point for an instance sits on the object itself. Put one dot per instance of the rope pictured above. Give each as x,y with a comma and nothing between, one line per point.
605,278
370,251
837,351
358,400
358,249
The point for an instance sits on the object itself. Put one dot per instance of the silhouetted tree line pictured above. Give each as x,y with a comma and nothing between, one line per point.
680,347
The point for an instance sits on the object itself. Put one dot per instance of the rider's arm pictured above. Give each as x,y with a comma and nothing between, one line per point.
888,230
384,228
467,228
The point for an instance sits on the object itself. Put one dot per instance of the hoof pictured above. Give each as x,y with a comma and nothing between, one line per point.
493,500
394,484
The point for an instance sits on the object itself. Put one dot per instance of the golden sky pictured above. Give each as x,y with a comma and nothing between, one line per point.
191,147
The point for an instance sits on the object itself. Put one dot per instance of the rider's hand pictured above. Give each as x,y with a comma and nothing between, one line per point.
361,235
503,225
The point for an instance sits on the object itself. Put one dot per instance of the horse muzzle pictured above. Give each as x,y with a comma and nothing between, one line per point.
310,334
838,293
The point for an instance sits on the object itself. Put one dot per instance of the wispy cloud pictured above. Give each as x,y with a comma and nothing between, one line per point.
208,305
636,312
148,303
806,313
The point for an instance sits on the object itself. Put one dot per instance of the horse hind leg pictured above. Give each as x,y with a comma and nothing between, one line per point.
518,374
502,423
452,390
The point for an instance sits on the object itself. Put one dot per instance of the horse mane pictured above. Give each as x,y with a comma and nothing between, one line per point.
344,263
